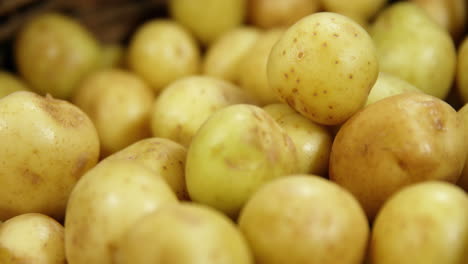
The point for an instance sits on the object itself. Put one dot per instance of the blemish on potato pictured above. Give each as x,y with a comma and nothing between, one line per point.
324,44
300,55
294,90
335,35
286,75
80,165
295,40
330,107
350,76
33,177
298,80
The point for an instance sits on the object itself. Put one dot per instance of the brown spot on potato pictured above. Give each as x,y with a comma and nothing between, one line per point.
330,107
298,80
286,75
336,35
61,111
324,91
32,177
315,33
355,35
315,94
292,70
337,62
284,52
439,124
294,90
324,44
295,40
300,55
350,76
164,167
290,101
80,165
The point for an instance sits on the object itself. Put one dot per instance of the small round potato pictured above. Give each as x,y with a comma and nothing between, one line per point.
426,223
450,14
252,68
238,149
313,142
163,157
162,51
388,85
208,19
47,144
32,238
324,67
401,34
224,55
279,13
462,70
119,104
463,116
184,233
304,219
397,141
105,203
186,104
53,53
360,10
10,83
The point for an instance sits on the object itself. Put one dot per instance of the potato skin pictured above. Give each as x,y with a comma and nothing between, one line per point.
279,13
32,238
388,85
54,52
463,116
105,203
187,103
47,145
119,104
304,219
400,34
360,10
324,67
462,69
9,83
238,149
208,19
223,57
185,233
162,51
430,218
397,141
164,157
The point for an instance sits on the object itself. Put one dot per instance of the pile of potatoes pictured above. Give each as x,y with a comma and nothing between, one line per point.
240,132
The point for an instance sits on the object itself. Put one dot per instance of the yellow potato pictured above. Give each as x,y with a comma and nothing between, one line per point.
186,104
119,104
10,83
278,111
397,141
450,14
304,219
224,55
238,149
359,10
105,203
184,234
313,142
163,157
388,85
462,70
208,19
53,54
463,116
32,238
47,144
324,67
280,13
426,223
162,51
401,33
252,68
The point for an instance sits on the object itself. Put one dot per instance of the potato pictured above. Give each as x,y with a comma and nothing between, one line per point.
426,223
279,13
237,149
10,83
224,55
279,110
119,104
462,69
47,144
184,233
162,51
313,142
463,116
53,53
208,19
397,141
106,203
252,68
388,85
32,238
450,14
185,104
360,10
112,55
401,34
324,67
304,219
163,157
